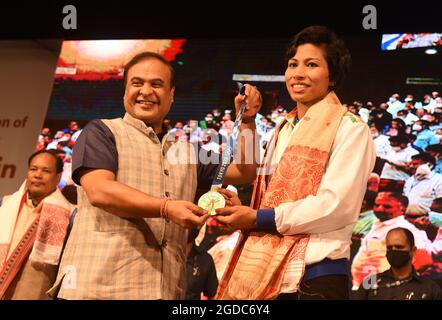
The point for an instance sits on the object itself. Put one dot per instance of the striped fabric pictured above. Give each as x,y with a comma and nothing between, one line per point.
108,257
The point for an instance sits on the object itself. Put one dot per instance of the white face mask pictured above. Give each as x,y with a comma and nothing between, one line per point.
435,218
417,127
208,119
374,135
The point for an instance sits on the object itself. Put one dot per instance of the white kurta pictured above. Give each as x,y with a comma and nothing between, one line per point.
330,215
401,157
421,193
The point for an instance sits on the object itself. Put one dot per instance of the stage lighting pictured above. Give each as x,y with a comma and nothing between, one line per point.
431,51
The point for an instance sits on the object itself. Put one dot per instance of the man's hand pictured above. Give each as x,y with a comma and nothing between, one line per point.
253,99
186,214
231,197
237,217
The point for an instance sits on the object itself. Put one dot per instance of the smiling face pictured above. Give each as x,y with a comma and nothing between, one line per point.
307,76
148,94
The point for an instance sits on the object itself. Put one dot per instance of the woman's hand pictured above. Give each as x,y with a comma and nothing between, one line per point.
236,217
231,197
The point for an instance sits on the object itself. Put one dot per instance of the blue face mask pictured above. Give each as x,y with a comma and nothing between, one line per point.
435,218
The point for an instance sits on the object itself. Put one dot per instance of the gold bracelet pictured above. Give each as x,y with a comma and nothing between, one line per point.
166,214
163,209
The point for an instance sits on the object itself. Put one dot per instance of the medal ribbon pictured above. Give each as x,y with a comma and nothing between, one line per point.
230,149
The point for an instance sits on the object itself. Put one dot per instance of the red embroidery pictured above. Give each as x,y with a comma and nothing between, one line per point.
4,248
53,225
298,175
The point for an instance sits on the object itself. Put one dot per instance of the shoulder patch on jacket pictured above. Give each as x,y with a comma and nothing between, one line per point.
353,118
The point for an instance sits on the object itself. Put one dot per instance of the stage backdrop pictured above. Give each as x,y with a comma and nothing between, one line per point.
26,77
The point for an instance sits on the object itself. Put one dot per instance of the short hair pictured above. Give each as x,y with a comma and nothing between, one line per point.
58,161
147,55
400,122
399,197
424,123
435,148
425,157
400,139
336,53
378,126
437,202
408,234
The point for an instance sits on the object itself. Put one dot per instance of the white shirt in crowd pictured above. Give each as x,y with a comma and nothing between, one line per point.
394,107
421,193
382,145
402,156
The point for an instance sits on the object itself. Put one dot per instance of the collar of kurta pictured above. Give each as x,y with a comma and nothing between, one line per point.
141,126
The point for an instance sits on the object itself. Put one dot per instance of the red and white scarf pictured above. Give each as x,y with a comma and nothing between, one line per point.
42,241
259,263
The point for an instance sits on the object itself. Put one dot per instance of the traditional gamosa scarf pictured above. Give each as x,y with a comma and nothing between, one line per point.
42,241
259,263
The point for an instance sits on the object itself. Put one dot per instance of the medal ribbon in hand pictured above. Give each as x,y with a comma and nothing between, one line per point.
212,200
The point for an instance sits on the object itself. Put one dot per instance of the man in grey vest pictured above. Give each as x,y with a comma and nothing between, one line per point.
134,203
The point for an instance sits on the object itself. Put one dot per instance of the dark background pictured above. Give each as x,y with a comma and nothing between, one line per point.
226,37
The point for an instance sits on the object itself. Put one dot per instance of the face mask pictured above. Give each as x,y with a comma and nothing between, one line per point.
216,114
396,149
397,258
375,135
208,119
417,127
392,99
435,218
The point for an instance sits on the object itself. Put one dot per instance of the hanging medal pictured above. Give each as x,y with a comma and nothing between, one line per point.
212,200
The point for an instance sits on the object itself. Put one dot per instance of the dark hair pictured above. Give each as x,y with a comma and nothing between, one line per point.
335,52
378,126
438,203
400,122
408,235
424,123
435,148
58,161
425,157
400,139
399,197
146,56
